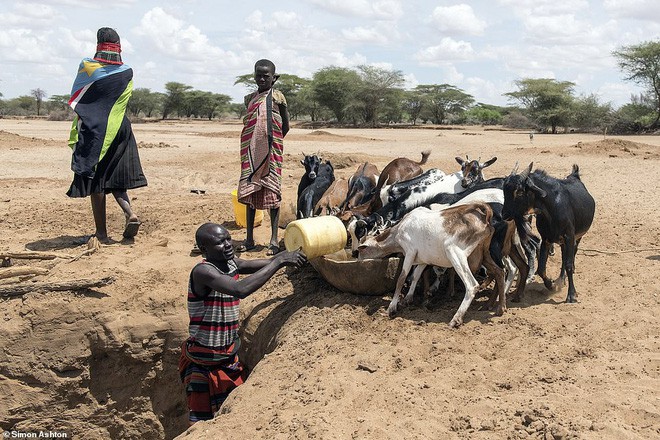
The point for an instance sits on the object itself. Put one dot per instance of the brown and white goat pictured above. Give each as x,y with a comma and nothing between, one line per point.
457,237
361,185
398,170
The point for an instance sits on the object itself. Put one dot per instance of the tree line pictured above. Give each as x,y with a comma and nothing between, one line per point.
373,96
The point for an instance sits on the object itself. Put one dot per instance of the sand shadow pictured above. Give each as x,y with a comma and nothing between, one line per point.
654,257
58,243
91,293
231,225
309,290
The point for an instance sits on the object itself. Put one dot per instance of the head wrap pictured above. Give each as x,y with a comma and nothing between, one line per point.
108,46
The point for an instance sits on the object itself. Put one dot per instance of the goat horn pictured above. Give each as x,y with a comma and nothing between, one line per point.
525,174
515,169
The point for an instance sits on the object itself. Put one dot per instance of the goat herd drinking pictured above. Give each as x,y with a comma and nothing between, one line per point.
459,221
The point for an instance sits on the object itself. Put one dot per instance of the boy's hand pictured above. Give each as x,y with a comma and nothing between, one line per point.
295,258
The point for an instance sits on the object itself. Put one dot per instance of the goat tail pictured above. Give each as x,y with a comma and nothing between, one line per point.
486,211
425,156
576,171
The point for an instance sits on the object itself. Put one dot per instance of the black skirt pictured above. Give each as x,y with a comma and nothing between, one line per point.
119,170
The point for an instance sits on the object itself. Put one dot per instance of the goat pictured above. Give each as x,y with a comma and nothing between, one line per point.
419,195
473,170
564,213
392,212
311,195
457,237
331,200
397,170
396,189
505,247
311,164
361,185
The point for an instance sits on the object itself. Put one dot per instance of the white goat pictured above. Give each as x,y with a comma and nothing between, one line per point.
457,237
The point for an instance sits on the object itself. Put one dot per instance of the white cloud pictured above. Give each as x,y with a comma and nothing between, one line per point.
23,45
378,10
287,33
410,81
364,35
457,20
484,89
176,39
617,93
635,9
545,8
88,4
30,16
449,50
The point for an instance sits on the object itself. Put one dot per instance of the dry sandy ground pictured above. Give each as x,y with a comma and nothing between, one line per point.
102,363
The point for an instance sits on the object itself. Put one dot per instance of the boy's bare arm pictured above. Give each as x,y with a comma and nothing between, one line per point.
209,277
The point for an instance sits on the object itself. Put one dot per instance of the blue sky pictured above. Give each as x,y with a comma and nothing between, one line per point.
480,46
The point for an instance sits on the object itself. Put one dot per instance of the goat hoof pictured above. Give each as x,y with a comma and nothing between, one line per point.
391,312
455,323
570,300
500,311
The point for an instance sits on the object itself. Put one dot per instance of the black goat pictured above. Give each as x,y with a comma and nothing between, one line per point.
564,213
311,195
311,164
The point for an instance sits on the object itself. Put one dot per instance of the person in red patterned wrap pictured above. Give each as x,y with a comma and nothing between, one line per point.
262,146
209,366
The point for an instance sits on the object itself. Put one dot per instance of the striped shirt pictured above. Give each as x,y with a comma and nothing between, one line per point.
214,317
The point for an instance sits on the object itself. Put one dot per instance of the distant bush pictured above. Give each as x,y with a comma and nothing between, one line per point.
60,115
517,120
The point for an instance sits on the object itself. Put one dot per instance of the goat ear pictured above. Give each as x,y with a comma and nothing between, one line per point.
379,220
460,160
489,162
539,192
302,162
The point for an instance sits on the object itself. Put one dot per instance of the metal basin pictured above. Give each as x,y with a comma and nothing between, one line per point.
366,277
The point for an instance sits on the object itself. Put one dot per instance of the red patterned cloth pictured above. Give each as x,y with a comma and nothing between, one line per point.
262,148
209,376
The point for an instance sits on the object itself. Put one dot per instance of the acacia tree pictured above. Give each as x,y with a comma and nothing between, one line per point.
39,96
335,88
547,101
145,101
441,100
589,114
641,64
413,103
376,87
59,102
174,98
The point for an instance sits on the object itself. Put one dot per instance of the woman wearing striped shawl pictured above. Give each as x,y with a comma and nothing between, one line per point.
105,155
264,127
209,366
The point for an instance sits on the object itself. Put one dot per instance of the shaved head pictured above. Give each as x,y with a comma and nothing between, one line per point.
208,231
265,63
